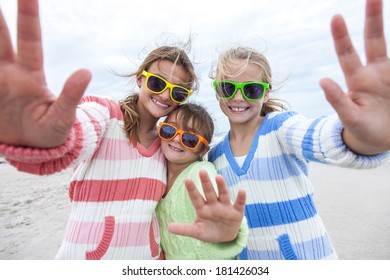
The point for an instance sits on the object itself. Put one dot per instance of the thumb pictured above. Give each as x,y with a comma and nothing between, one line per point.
73,90
182,229
336,97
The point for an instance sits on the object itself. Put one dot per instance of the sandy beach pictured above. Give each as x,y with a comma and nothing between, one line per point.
354,205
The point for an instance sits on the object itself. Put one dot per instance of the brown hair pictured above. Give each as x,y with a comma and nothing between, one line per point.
202,122
176,55
250,55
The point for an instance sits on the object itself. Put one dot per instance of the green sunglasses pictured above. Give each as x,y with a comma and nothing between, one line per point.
251,91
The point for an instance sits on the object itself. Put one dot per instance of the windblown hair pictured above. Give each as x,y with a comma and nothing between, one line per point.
174,54
249,55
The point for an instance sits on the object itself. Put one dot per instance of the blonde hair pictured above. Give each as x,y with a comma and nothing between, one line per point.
249,55
174,54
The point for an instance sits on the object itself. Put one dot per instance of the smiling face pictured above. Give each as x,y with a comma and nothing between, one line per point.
237,109
160,105
174,151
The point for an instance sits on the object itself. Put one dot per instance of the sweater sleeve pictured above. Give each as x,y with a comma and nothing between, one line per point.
321,140
92,116
224,250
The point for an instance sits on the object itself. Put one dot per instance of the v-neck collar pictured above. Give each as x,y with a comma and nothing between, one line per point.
148,152
249,157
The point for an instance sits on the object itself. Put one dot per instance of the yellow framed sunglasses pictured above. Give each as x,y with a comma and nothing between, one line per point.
158,85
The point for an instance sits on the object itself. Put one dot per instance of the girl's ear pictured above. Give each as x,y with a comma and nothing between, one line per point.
204,151
139,80
266,97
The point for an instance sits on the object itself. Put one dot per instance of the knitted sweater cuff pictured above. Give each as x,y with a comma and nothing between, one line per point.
227,250
45,161
335,151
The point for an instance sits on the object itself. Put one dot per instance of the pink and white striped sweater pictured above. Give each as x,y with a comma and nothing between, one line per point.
114,189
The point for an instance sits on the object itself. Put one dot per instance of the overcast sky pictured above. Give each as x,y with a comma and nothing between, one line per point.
115,35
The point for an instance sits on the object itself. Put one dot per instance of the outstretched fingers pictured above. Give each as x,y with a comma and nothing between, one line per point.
6,51
373,32
73,90
343,105
239,204
347,55
196,198
224,196
208,189
223,191
375,42
29,40
190,230
210,194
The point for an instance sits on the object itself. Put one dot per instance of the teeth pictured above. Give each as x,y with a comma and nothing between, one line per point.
238,109
175,149
160,104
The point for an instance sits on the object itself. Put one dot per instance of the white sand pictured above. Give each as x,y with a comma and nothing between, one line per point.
33,213
355,206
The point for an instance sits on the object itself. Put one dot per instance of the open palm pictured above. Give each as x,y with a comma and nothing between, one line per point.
365,109
217,219
30,114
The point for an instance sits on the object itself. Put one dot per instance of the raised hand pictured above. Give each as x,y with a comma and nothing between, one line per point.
217,219
30,114
365,108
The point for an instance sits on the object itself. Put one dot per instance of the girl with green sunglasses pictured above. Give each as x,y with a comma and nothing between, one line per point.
268,148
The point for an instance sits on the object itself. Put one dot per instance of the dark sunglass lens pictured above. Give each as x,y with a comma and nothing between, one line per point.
225,89
190,140
179,94
254,91
156,84
167,132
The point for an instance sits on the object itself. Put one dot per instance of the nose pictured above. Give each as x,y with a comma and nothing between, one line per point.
238,96
176,138
165,95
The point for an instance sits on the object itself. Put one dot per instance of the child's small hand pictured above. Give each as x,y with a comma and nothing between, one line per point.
217,219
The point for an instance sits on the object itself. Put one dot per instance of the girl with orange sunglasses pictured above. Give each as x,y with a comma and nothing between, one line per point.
119,169
185,136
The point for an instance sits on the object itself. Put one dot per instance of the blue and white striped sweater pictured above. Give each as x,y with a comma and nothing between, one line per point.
282,218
